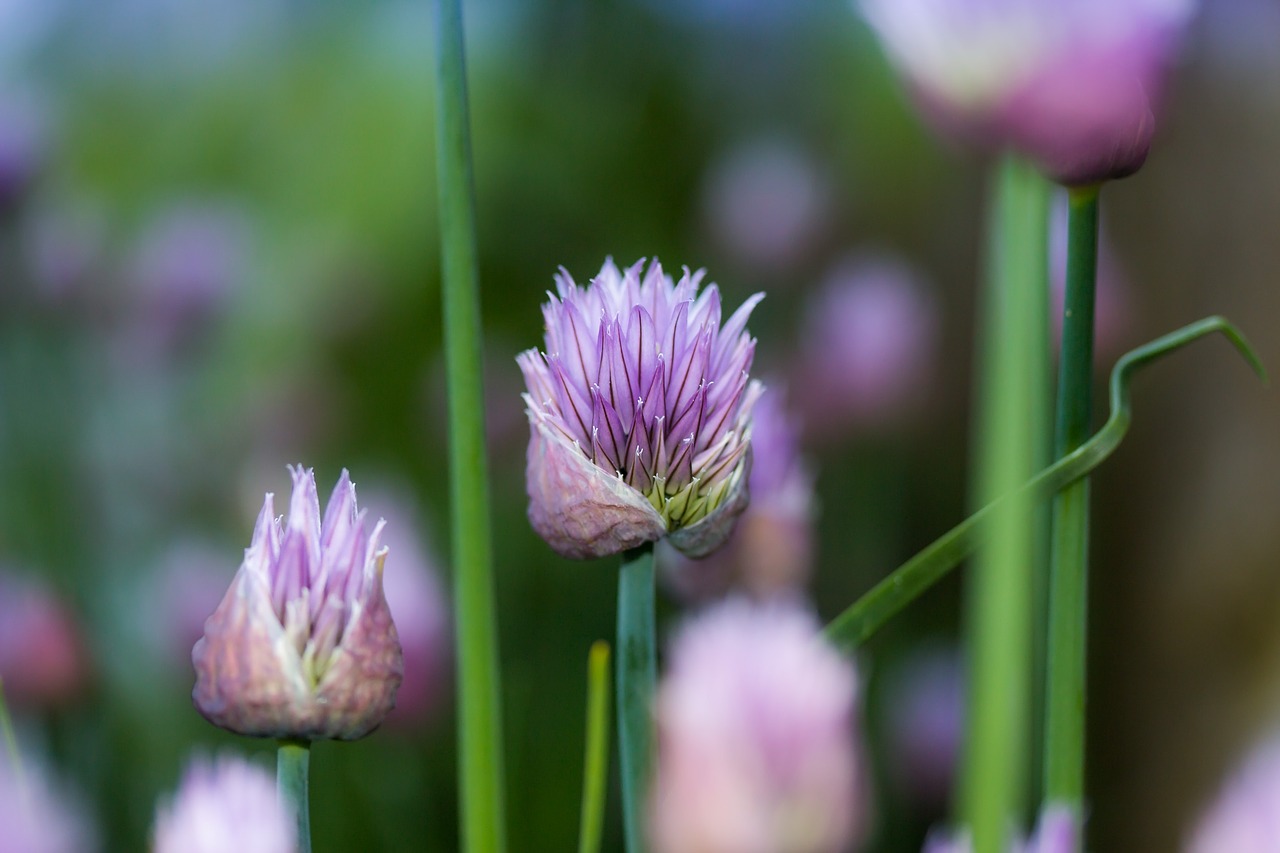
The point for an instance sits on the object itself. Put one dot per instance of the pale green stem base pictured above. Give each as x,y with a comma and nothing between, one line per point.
636,674
293,764
11,745
595,762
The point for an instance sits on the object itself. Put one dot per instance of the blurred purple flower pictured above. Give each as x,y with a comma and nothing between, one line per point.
1058,831
23,143
43,659
640,414
1245,817
925,702
770,551
303,644
225,806
756,730
765,203
191,579
868,347
1074,85
36,816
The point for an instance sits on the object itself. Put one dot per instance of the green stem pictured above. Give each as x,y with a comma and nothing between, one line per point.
595,764
11,744
866,615
479,708
293,763
636,673
1068,592
998,598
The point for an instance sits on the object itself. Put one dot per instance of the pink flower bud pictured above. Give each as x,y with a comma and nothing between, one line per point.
43,660
303,645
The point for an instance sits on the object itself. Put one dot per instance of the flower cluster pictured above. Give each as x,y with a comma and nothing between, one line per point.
640,413
303,645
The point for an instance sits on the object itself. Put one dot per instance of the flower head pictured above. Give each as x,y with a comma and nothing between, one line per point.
640,414
225,805
1073,85
303,644
43,659
35,815
756,751
1245,818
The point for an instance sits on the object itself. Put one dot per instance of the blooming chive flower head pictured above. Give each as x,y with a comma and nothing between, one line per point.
640,414
303,644
1245,818
756,749
1071,83
225,805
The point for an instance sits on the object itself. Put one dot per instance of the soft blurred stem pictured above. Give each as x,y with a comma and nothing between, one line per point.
595,763
11,743
293,763
1068,590
479,714
998,615
636,673
906,583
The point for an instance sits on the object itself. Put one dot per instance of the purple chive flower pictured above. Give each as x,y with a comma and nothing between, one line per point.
36,816
770,551
225,806
1058,831
756,738
925,700
303,644
1073,84
43,659
1245,817
640,414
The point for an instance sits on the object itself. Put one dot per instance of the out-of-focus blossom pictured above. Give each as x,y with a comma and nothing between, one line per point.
42,654
189,582
925,702
23,142
770,551
1112,313
35,815
303,644
1058,831
756,738
868,349
765,203
1245,816
225,806
640,414
1074,85
420,607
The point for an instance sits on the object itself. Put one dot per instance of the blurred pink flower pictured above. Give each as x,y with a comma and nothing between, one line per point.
43,658
639,413
1074,85
770,551
1058,831
303,645
225,806
868,347
756,737
925,716
36,816
1245,816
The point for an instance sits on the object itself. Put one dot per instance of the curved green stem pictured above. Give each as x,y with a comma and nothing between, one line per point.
865,616
636,673
479,707
293,764
11,744
595,769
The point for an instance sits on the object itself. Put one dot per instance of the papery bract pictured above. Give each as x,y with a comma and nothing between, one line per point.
756,730
225,806
640,414
303,645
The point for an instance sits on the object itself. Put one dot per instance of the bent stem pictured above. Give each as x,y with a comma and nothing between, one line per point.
479,706
11,745
636,673
1068,584
293,763
906,583
595,762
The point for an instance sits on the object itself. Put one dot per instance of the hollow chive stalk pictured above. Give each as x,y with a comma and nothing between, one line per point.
480,772
636,670
595,762
293,764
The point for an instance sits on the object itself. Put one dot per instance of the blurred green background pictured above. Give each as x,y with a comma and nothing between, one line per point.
219,255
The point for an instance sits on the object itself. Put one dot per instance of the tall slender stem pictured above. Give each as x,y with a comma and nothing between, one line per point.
11,744
479,708
1068,592
595,761
636,673
999,596
293,765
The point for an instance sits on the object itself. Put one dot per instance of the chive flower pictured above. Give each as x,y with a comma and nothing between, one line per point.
639,413
1244,817
225,805
303,644
1072,84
